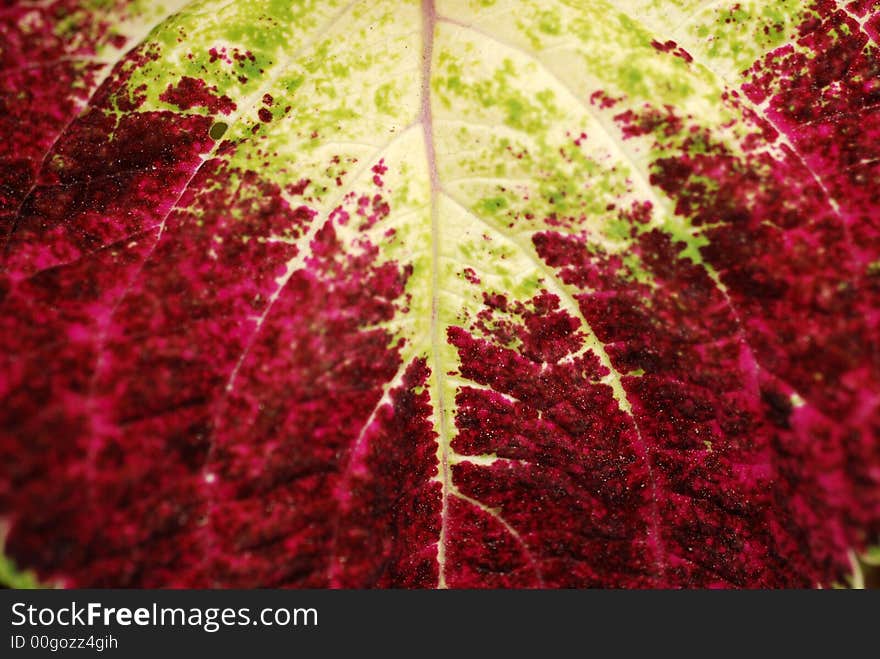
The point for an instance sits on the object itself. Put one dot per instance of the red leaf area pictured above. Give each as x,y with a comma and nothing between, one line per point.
181,410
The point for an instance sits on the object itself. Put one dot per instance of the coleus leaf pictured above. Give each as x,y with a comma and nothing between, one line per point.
468,293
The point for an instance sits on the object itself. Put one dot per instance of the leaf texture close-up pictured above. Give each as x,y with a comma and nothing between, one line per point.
440,293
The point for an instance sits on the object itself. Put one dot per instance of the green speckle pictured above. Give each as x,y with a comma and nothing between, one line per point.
549,23
493,204
385,98
218,130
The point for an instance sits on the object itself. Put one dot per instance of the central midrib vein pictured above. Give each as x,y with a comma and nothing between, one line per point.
429,21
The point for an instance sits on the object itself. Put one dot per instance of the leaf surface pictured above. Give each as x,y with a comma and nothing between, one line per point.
440,294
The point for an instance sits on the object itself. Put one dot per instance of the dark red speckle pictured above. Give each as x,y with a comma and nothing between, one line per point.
664,47
193,92
299,187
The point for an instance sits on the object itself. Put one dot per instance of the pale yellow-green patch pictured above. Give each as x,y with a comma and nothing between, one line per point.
520,142
316,115
520,145
716,34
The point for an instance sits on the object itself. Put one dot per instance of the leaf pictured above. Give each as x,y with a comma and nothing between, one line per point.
12,577
457,294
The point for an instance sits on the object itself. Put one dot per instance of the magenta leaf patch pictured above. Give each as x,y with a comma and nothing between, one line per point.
440,293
